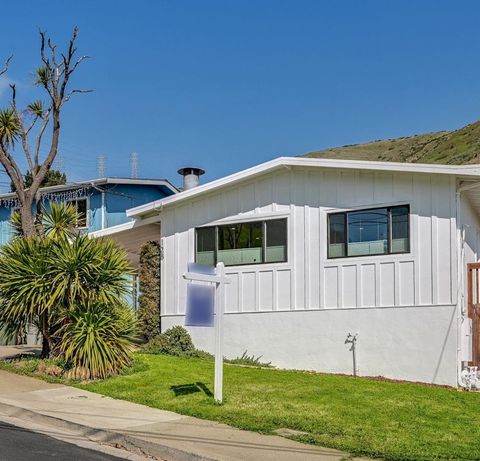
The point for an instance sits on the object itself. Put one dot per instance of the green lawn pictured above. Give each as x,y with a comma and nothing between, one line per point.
394,421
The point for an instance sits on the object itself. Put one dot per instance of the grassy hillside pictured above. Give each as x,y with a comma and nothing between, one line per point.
449,147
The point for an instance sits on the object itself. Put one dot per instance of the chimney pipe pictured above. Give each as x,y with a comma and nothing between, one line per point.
191,177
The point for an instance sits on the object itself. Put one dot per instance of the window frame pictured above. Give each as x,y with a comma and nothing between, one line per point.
389,231
264,240
74,201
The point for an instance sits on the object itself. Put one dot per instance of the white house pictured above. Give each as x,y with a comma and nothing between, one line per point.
319,249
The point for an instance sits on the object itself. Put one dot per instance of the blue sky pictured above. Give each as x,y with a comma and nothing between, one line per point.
228,84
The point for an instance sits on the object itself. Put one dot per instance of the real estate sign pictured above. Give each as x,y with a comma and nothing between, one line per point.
203,301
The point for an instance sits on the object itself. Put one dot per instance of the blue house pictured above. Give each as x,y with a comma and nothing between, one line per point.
101,203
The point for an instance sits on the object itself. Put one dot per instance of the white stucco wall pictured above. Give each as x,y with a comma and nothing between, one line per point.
416,344
401,303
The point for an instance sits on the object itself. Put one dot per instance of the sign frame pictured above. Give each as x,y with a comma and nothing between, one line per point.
200,273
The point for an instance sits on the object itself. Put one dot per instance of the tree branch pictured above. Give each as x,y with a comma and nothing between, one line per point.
7,163
4,69
53,75
43,54
52,53
59,88
46,120
34,121
69,95
66,62
79,61
23,133
40,176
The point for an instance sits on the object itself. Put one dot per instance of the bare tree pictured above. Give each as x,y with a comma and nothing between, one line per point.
29,125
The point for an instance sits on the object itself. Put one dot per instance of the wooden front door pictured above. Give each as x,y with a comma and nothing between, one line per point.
473,271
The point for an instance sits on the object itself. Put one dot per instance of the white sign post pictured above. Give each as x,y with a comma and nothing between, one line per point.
219,279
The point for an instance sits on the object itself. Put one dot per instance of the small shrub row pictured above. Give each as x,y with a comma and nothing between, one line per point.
177,341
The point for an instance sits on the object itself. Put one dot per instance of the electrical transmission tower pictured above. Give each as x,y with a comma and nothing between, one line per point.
58,163
134,164
101,166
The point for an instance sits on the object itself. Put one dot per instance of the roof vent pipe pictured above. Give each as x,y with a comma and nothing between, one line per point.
191,177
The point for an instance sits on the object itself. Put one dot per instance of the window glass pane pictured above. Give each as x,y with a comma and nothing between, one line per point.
276,247
240,243
206,246
400,240
82,212
368,232
336,235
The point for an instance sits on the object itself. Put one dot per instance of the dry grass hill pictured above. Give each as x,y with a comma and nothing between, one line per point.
449,147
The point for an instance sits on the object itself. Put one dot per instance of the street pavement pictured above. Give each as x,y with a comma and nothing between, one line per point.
19,444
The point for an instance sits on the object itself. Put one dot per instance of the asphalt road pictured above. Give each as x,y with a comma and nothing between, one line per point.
18,444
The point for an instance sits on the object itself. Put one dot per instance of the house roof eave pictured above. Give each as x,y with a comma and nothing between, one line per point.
302,162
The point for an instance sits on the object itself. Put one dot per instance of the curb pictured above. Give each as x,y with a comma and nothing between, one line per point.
105,436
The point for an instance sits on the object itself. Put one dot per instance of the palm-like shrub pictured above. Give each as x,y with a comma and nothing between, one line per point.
25,287
87,270
63,283
60,220
97,339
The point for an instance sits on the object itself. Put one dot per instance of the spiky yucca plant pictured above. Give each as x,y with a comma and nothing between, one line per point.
25,287
47,279
10,127
59,221
97,339
56,222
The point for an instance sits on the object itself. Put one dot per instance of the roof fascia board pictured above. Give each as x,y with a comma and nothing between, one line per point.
227,180
124,227
102,181
296,162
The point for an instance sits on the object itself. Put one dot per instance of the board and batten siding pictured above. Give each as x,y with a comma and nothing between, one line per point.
309,280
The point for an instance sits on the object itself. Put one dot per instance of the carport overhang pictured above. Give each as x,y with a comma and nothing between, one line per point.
131,236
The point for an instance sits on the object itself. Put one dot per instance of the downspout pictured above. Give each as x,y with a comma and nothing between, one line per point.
103,223
460,282
103,210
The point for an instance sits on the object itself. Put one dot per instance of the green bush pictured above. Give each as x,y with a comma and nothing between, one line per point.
175,341
44,278
149,285
97,340
157,345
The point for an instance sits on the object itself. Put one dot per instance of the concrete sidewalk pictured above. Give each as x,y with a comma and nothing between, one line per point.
160,434
11,352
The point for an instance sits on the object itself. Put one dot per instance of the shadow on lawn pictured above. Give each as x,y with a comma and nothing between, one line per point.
186,389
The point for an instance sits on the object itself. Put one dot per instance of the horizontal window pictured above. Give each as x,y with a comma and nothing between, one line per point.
376,231
254,242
